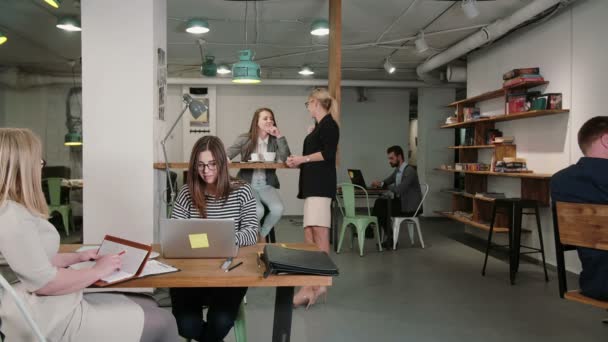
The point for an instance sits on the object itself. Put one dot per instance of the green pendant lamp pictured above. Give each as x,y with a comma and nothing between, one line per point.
3,38
319,27
246,71
71,24
53,3
73,139
209,68
197,26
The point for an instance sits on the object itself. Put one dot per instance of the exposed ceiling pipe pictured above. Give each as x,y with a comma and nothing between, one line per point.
13,78
486,35
314,82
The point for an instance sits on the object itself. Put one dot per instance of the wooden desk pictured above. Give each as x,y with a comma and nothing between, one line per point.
233,165
207,273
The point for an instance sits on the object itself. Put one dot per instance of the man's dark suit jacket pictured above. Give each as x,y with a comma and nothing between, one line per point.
586,182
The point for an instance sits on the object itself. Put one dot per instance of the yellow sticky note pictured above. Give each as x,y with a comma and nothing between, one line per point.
198,241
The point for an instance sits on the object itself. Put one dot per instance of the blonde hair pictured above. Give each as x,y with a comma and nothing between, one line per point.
326,101
20,170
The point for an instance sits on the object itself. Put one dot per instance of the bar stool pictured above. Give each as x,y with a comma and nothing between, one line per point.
514,208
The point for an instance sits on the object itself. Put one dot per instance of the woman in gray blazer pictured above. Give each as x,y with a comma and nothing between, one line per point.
263,136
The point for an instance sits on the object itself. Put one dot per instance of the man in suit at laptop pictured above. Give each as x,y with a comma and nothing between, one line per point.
586,182
403,190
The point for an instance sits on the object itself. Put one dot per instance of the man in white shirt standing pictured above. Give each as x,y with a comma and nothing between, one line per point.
404,190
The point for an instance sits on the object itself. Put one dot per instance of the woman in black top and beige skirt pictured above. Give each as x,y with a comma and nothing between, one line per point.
318,183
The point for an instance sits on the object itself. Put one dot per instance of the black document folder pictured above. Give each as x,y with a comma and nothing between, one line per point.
282,260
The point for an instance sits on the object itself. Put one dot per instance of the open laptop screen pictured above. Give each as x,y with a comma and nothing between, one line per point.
356,177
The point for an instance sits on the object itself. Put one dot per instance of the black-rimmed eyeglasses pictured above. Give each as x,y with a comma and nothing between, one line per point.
211,166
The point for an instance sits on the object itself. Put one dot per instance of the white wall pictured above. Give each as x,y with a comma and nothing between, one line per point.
120,106
569,50
43,110
432,146
367,128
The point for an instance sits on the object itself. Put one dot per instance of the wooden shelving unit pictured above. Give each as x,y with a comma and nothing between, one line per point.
533,185
494,94
507,117
479,147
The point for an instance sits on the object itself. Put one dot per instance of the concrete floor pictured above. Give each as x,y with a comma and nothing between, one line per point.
432,294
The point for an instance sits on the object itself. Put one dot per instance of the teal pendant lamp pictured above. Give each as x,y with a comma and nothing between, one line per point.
71,24
209,68
3,38
53,3
197,26
246,71
319,27
73,139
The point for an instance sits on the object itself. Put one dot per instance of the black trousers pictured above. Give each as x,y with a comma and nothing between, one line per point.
223,304
381,211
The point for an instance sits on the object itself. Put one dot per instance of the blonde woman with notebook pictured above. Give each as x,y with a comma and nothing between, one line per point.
54,293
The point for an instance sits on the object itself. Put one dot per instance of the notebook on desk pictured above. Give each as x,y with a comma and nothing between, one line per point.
134,256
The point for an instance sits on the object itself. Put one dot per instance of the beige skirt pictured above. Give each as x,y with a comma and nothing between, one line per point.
317,212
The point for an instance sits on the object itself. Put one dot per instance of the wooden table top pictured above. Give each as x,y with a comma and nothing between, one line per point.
233,165
207,272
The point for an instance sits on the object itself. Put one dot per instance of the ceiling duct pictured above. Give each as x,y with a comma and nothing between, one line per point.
488,34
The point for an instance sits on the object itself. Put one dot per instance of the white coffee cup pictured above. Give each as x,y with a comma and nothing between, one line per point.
269,156
255,157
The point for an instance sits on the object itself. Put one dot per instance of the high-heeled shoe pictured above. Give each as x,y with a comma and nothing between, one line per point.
303,297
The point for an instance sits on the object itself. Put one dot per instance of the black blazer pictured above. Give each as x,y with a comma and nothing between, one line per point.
318,179
586,182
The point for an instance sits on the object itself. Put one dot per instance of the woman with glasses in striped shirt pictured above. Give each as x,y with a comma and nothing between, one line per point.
211,193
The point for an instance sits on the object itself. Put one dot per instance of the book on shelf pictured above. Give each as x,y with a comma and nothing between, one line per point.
521,71
521,81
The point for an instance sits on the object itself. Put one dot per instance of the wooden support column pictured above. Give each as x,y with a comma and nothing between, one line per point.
335,52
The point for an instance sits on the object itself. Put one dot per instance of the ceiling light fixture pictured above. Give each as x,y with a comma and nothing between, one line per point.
306,71
388,66
53,3
246,71
71,24
469,7
3,38
319,27
197,26
223,69
421,45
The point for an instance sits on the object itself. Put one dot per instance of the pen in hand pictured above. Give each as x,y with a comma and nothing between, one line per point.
235,266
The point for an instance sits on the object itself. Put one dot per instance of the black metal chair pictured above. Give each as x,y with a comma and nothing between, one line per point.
514,209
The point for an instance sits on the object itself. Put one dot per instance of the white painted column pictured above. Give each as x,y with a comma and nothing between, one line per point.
120,105
432,146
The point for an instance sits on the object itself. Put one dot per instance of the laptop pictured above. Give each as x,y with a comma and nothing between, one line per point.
356,177
198,238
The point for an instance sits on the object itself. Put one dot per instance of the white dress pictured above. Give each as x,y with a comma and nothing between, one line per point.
28,243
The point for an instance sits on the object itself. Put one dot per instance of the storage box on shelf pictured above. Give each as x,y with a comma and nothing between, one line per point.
534,186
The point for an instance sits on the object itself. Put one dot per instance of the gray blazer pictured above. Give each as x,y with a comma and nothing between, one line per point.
408,190
279,146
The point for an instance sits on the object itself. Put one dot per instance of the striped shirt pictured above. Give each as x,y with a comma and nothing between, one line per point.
240,206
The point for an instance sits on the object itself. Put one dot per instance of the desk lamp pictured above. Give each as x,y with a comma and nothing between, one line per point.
197,108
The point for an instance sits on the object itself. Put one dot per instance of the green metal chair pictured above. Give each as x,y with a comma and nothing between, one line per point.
361,222
55,205
240,326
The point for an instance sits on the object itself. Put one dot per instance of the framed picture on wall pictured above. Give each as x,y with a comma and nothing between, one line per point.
203,120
